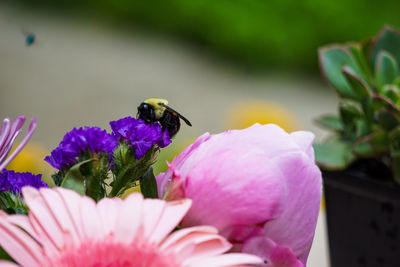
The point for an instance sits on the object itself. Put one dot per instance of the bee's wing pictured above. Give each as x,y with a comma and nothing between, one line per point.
177,113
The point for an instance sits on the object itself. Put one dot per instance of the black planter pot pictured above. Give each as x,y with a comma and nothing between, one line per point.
363,217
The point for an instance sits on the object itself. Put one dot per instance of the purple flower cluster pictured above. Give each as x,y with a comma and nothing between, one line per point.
14,181
79,140
139,134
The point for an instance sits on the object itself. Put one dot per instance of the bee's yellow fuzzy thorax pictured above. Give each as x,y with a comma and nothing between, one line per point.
154,102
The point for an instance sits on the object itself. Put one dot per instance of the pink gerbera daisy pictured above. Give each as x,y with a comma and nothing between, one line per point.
66,229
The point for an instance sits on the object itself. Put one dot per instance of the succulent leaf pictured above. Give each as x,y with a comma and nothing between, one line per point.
334,154
388,120
392,92
330,122
367,77
388,39
332,60
386,69
372,144
360,88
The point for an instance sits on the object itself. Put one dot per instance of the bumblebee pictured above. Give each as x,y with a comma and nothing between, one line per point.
157,109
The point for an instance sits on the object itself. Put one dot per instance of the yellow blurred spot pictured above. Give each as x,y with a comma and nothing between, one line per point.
323,204
131,190
31,159
245,114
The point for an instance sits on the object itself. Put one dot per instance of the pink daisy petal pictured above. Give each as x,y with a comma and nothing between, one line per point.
18,244
72,200
22,222
108,210
231,259
132,238
180,235
46,221
90,219
126,228
172,215
7,264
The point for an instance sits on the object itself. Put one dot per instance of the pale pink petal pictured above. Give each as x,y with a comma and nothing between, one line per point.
7,264
23,222
18,244
177,236
51,230
72,202
129,218
150,221
170,218
230,259
108,210
90,219
56,205
195,247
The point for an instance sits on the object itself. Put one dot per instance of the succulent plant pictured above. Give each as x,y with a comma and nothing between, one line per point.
366,77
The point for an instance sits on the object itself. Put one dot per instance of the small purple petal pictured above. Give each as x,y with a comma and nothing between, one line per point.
14,181
140,135
79,140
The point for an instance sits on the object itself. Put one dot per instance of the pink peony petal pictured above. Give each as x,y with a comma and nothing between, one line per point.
304,140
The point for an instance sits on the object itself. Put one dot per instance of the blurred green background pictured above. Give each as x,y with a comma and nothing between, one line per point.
253,33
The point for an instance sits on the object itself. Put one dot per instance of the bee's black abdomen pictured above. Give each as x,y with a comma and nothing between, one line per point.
170,122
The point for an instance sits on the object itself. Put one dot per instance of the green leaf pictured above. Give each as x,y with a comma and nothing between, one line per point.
360,88
388,120
333,155
95,181
372,144
381,101
332,59
330,122
148,184
74,179
4,255
358,52
392,92
386,69
131,170
388,40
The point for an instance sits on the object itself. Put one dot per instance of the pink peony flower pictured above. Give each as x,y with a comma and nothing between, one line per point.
65,229
259,186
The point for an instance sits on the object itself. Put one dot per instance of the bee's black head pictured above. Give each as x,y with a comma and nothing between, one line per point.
146,113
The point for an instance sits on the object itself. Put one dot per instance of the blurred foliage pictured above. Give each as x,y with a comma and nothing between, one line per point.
244,114
256,33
